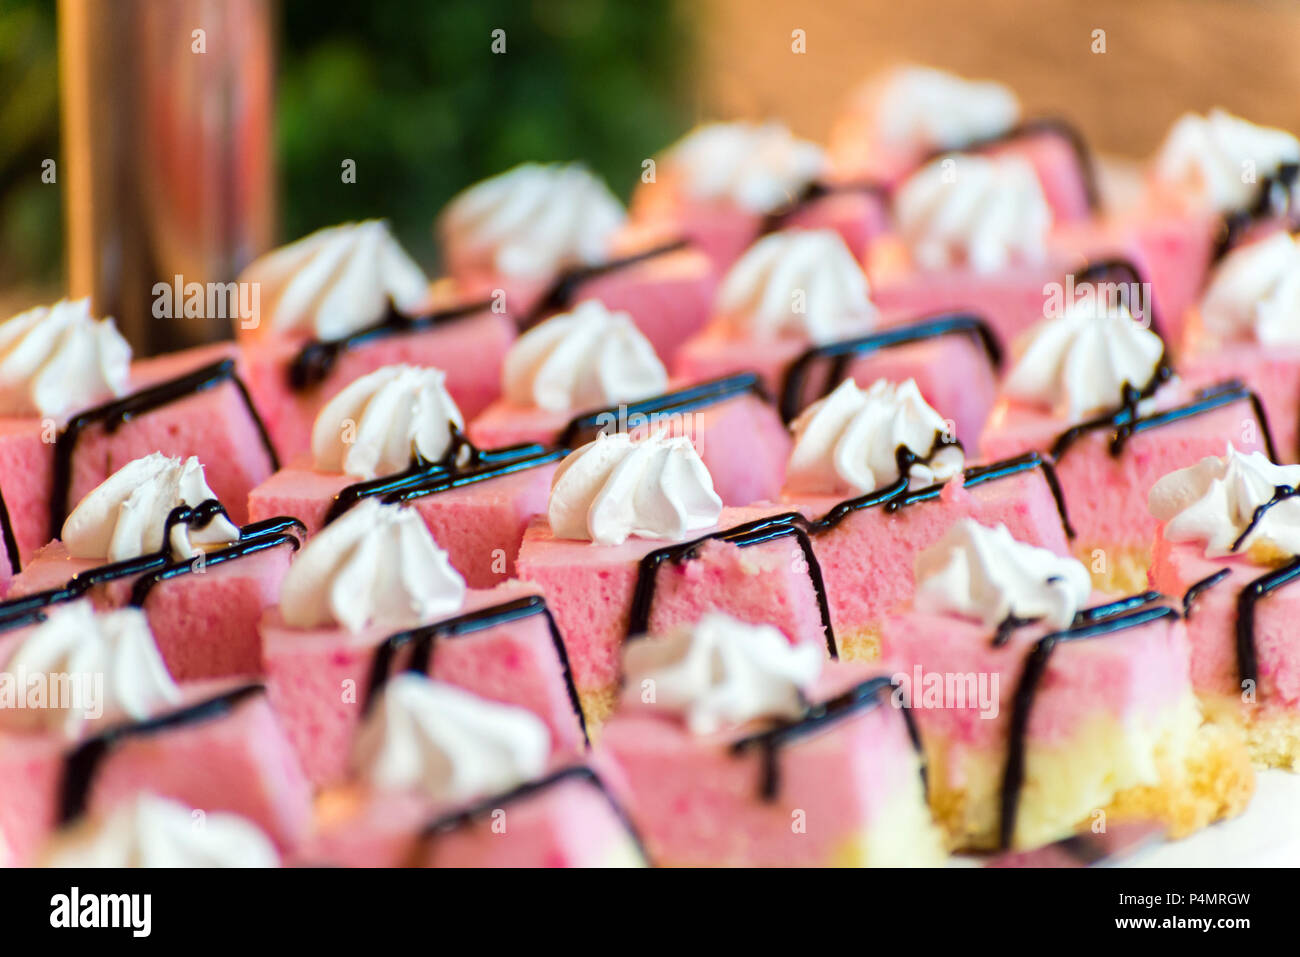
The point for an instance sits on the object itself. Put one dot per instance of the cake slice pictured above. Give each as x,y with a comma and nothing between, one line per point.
101,722
443,778
372,596
636,540
395,436
1041,713
734,756
1227,546
154,536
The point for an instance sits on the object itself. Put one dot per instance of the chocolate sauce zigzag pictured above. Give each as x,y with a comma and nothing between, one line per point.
585,426
1026,691
84,760
817,189
843,352
455,820
756,532
316,359
564,289
860,698
422,640
112,415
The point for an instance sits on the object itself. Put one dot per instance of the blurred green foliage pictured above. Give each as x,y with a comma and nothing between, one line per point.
408,89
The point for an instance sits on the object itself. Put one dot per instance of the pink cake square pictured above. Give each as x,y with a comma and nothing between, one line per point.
849,769
738,434
501,646
203,616
223,750
476,514
953,359
1273,373
601,595
291,379
1107,466
187,403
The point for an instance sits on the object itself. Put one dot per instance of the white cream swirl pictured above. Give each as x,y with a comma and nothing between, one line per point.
113,666
448,743
720,673
585,359
917,110
1255,293
1079,362
758,167
152,831
981,212
615,487
984,574
374,565
379,422
125,515
1222,158
1213,503
336,280
57,360
531,222
797,284
848,442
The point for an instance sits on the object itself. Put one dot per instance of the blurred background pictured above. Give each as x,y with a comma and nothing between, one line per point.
414,95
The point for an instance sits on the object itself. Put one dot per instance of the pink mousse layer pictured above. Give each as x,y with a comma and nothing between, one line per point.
236,761
205,623
867,558
1212,624
953,372
214,424
1128,675
842,776
590,589
480,525
1107,494
469,350
318,678
1272,371
741,440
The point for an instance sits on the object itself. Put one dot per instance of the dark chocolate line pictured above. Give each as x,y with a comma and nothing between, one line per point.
860,698
1036,662
317,359
814,191
841,353
564,289
1056,126
241,549
1280,494
11,541
1198,588
423,638
112,415
1100,270
1247,653
1274,199
742,536
578,772
84,760
1126,423
584,427
1085,616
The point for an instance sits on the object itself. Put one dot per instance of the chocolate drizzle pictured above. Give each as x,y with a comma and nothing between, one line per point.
1049,125
742,536
1126,422
317,359
448,823
1106,624
1204,585
11,542
1083,616
462,464
153,566
422,639
112,415
1247,653
565,287
861,698
85,759
1105,271
1274,200
1280,494
815,190
843,353
585,427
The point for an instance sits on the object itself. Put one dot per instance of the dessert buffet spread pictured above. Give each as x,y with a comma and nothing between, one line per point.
867,504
